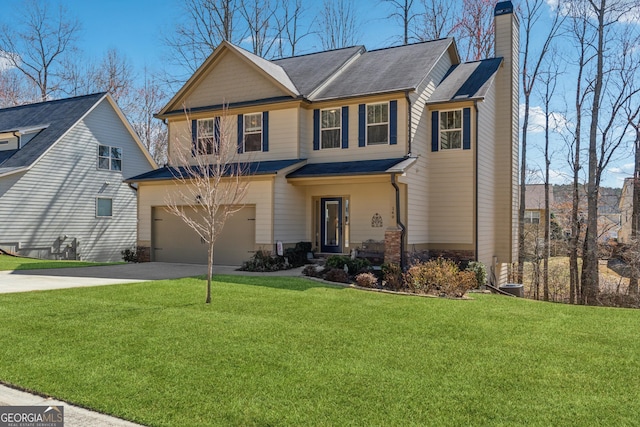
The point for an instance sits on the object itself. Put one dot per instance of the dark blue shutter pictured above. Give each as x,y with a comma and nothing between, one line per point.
393,122
466,129
435,131
316,129
216,135
265,131
194,137
345,127
240,133
362,125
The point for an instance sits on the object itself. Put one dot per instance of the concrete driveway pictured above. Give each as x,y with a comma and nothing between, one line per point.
59,278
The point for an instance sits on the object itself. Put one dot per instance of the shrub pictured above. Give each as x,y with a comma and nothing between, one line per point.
337,275
263,261
479,270
312,271
354,266
297,256
466,281
417,279
367,280
392,276
131,254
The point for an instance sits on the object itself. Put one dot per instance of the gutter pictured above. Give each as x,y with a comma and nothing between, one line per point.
398,221
475,196
406,95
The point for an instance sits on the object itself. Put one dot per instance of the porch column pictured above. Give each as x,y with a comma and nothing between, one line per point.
392,245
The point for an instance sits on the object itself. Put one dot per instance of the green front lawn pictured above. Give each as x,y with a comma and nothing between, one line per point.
288,351
17,263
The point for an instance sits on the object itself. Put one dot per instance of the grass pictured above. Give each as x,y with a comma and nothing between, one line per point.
288,351
18,263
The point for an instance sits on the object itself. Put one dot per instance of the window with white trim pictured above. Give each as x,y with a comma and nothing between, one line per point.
109,158
532,217
104,207
252,132
330,127
378,124
451,130
206,136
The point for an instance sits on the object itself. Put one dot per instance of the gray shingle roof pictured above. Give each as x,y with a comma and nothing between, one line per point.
360,167
385,70
255,168
310,71
60,115
466,81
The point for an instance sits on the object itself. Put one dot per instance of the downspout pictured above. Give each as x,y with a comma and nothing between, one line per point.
406,95
475,105
398,221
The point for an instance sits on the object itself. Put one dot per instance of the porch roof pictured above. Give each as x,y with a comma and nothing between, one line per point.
270,167
361,167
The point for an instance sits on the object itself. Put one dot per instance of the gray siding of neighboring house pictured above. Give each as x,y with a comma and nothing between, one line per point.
57,196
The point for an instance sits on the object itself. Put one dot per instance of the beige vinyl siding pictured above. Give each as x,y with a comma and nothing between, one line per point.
57,196
487,177
451,188
289,221
230,79
283,133
159,194
417,176
354,152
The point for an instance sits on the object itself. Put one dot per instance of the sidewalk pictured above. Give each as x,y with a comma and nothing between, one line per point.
73,415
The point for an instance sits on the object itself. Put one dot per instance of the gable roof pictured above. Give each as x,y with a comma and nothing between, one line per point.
391,69
470,80
333,74
51,120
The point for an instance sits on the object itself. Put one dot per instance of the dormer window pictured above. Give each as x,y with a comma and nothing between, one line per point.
109,158
330,128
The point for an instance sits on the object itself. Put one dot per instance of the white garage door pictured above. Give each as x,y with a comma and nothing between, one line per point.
175,241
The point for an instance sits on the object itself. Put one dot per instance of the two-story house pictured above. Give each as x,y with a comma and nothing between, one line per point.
405,145
62,167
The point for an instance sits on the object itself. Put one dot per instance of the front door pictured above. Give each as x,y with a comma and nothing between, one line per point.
331,225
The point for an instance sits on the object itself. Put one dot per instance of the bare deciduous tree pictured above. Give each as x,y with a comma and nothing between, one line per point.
438,19
339,24
211,184
531,63
144,103
36,42
402,12
259,18
476,30
289,22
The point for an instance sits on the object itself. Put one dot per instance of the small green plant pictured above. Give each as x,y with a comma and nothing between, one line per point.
131,254
479,270
357,265
367,280
263,261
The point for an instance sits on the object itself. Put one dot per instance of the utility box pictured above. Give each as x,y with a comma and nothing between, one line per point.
515,289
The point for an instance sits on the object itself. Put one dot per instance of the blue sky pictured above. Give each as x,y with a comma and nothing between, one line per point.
136,28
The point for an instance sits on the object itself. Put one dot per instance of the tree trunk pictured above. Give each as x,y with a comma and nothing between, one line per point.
209,272
635,215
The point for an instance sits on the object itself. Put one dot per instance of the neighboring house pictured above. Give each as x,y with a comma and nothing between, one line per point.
405,145
626,211
534,211
62,167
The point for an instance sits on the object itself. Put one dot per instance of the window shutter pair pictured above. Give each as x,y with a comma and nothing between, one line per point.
344,126
194,135
393,124
265,132
466,129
